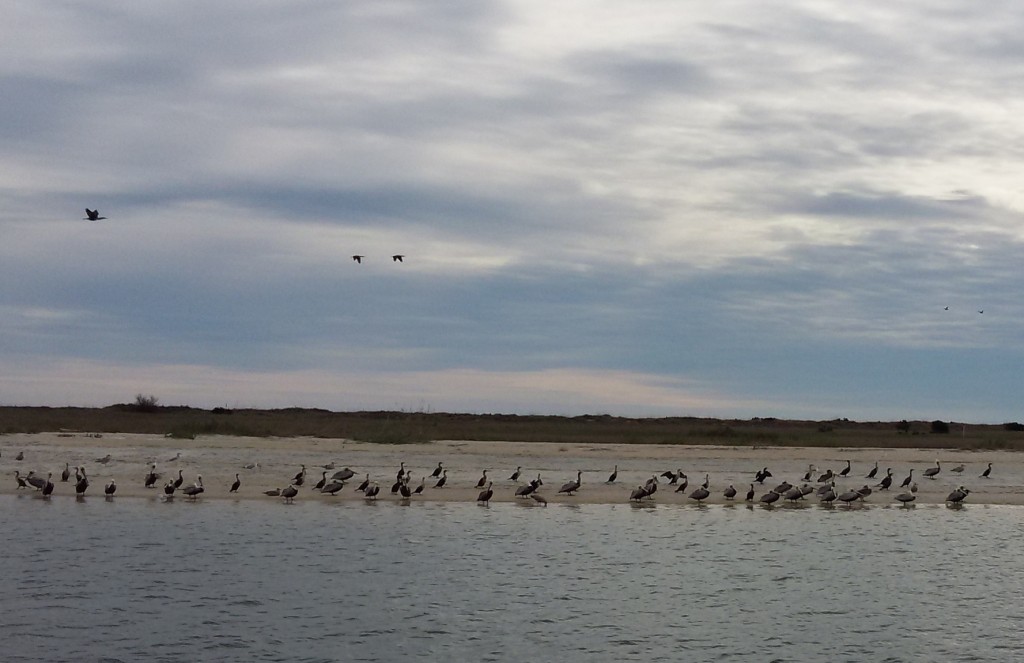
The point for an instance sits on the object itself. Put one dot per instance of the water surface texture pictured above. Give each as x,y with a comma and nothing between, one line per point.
137,579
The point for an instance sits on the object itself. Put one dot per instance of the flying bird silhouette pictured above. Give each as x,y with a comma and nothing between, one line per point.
358,259
92,215
981,311
397,258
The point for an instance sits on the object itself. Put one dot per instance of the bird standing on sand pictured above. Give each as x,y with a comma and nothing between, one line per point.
486,495
932,471
83,482
910,477
729,492
482,481
873,472
987,472
444,478
289,493
614,475
750,493
110,489
539,499
66,474
196,489
571,487
515,475
236,485
437,471
372,490
151,477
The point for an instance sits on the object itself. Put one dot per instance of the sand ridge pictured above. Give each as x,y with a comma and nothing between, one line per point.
218,458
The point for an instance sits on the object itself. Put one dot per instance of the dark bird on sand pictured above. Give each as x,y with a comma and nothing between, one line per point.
572,486
236,485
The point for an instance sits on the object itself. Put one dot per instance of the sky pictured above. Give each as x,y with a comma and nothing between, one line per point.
655,208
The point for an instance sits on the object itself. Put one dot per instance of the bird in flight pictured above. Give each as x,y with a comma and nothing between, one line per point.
92,215
397,258
358,259
981,311
946,309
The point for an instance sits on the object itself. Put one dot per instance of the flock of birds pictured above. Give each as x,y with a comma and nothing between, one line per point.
94,215
820,484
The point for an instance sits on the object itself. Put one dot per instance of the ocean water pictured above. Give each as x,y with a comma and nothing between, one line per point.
218,580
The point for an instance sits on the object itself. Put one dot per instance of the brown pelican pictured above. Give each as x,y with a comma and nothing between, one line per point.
614,475
700,494
794,494
34,481
437,471
92,215
328,466
906,498
957,496
651,486
236,485
987,472
707,482
910,477
486,495
195,489
932,471
829,495
332,488
110,489
730,492
827,476
873,472
958,469
444,478
782,488
850,496
572,486
515,475
525,491
539,499
273,493
397,258
83,483
289,493
372,490
770,497
176,457
343,475
638,494
482,481
358,258
913,487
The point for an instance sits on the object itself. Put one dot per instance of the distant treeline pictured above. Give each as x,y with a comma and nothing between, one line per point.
390,427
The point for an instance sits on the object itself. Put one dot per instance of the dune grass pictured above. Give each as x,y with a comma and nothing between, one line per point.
388,427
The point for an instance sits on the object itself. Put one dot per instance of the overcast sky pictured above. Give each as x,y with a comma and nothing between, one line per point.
654,208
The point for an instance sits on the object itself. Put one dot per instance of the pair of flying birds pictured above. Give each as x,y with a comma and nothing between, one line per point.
395,258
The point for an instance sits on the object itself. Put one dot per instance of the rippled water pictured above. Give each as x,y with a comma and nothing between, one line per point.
137,579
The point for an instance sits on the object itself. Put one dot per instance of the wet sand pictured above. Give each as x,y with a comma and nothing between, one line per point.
219,458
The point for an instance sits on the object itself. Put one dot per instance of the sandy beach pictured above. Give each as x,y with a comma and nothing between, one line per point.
218,458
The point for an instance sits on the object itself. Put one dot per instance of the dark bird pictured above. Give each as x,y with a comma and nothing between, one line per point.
829,495
437,471
20,456
92,215
401,472
762,475
34,481
571,487
700,494
236,485
707,482
932,471
873,472
982,311
886,480
945,308
681,488
104,460
332,488
300,478
846,470
539,499
361,488
729,493
343,475
525,491
482,481
196,489
66,474
396,486
444,478
750,493
906,498
910,477
404,489
180,480
110,489
276,492
638,494
358,258
83,482
328,466
515,475
770,497
397,258
419,488
371,491
486,495
289,493
958,495
151,477
48,488
321,483
614,475
169,490
987,472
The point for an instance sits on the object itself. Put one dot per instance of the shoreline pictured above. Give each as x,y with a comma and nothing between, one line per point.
218,458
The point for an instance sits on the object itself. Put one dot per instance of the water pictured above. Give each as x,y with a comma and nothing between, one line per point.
137,579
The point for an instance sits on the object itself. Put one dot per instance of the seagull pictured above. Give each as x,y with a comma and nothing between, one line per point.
397,258
358,258
92,215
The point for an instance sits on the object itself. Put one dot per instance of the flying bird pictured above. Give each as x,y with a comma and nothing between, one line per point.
358,259
92,215
397,258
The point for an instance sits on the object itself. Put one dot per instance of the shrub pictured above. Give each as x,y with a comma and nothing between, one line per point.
1014,426
940,427
144,403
